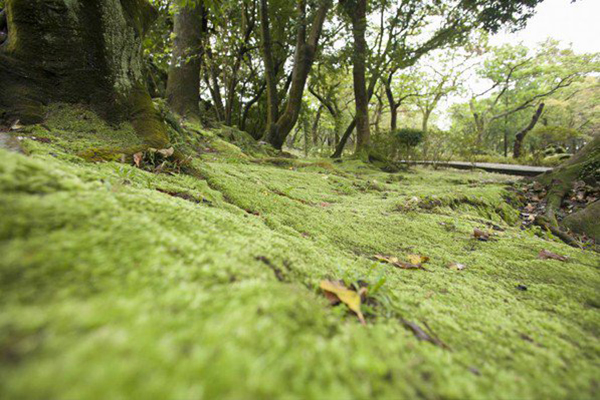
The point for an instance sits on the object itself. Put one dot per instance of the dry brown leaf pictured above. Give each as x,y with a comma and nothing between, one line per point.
137,159
347,296
481,235
407,265
548,255
402,264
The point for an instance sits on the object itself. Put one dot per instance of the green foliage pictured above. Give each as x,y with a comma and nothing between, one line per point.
408,137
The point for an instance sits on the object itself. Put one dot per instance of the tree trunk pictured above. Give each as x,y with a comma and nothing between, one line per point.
425,122
342,143
315,127
306,49
339,149
183,85
77,51
584,165
394,118
359,27
270,73
521,135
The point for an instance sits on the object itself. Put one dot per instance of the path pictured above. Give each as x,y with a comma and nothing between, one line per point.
509,169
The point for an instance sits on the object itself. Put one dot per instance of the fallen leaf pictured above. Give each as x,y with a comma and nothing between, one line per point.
166,152
16,126
137,159
457,266
548,255
333,299
481,235
386,259
349,297
416,259
406,265
402,264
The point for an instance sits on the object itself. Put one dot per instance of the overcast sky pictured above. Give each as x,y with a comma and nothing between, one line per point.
577,23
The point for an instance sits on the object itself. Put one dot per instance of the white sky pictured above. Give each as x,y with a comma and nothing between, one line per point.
576,23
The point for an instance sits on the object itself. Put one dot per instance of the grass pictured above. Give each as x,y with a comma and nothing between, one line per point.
113,288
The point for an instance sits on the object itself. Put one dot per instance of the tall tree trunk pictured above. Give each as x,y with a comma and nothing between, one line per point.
248,23
393,118
183,84
521,135
359,27
339,149
315,127
77,51
425,122
270,73
306,48
212,81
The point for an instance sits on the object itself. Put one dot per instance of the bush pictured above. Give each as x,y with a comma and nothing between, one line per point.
409,137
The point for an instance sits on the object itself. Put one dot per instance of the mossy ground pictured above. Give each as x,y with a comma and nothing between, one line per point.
112,287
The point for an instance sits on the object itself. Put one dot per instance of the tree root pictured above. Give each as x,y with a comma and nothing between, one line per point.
545,223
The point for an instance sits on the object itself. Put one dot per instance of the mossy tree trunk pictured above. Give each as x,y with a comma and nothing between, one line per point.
183,85
358,16
279,125
585,165
78,51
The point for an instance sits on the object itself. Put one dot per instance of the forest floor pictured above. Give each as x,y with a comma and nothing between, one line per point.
120,280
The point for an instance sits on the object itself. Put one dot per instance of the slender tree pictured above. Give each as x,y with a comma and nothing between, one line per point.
357,11
521,134
307,40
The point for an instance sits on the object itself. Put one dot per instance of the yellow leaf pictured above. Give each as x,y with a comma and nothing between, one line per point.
416,259
349,297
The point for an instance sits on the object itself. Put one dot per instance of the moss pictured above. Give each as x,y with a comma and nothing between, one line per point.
585,221
111,286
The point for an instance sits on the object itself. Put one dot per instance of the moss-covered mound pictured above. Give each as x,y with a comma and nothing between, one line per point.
116,282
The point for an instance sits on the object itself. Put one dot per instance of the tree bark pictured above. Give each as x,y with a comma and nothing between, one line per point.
359,27
584,165
306,49
521,135
425,122
183,84
248,23
315,127
78,51
270,73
